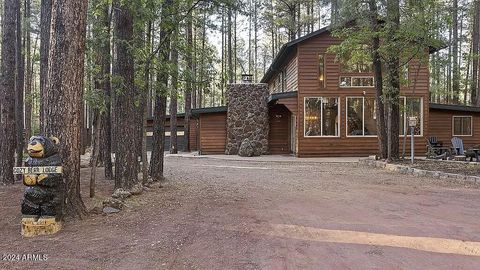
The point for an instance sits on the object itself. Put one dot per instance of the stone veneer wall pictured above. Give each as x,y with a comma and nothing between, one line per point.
247,117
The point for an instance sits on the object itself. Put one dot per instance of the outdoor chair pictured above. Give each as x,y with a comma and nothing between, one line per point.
459,150
435,149
433,140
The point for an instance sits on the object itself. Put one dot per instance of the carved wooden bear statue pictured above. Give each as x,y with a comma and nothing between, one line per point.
43,196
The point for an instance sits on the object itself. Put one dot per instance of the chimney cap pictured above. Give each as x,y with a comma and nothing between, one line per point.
247,78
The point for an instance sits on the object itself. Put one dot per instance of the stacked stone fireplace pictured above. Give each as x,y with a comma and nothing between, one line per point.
247,119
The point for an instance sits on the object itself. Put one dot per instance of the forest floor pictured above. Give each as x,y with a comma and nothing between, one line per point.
219,214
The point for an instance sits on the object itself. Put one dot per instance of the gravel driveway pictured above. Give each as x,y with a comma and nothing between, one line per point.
218,214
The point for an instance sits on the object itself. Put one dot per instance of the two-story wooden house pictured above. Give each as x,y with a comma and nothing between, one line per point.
333,112
322,107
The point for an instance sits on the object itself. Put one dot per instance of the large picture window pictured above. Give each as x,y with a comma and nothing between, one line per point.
411,107
462,126
361,116
321,117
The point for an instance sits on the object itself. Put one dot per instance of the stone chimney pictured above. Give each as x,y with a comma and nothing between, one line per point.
247,119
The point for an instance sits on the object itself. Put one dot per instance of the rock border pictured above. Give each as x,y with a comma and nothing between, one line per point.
402,169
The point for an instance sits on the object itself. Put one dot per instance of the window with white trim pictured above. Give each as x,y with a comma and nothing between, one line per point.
411,107
462,126
356,81
321,117
361,116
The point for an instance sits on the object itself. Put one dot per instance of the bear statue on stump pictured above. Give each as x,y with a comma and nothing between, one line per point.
43,198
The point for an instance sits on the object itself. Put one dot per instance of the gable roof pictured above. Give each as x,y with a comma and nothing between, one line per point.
285,51
288,47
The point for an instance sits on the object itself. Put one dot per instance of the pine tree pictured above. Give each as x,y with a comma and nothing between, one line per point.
158,144
7,92
45,18
19,86
126,163
65,84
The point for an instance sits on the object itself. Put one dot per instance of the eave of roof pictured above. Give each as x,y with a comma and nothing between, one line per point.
209,110
277,96
463,108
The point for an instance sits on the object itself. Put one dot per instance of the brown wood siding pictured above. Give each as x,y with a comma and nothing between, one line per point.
441,126
193,136
213,133
291,67
309,86
278,139
291,103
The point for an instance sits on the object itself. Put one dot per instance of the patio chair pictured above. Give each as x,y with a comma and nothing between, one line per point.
435,150
459,150
433,140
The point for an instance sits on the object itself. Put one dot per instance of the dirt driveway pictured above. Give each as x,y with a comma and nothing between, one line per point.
216,214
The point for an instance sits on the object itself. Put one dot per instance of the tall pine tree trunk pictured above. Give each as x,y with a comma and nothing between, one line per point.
107,85
456,69
230,52
7,93
188,86
19,85
393,81
126,163
45,19
29,72
158,145
173,99
145,101
475,51
377,69
65,85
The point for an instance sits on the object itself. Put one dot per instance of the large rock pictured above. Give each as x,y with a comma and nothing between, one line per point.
121,194
113,203
110,210
248,149
247,118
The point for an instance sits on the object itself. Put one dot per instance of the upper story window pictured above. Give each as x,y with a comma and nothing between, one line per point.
356,81
348,69
284,80
462,126
321,70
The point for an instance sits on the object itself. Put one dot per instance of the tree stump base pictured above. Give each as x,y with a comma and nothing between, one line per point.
33,226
